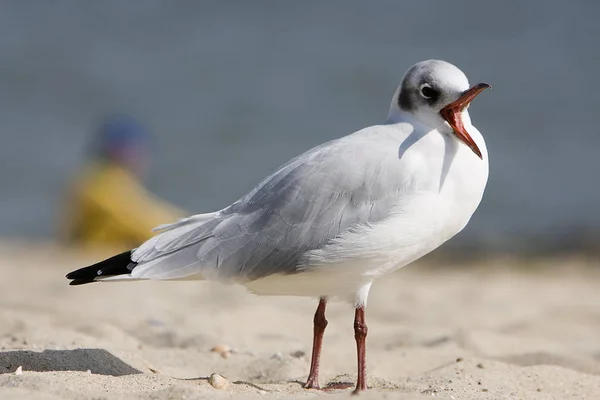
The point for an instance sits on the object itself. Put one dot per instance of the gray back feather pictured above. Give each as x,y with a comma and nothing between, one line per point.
301,207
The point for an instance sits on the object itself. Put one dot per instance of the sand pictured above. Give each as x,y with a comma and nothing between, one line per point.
493,330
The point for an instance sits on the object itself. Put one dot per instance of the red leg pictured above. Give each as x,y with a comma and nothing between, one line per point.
360,334
320,323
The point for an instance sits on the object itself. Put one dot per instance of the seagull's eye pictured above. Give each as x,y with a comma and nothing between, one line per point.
428,92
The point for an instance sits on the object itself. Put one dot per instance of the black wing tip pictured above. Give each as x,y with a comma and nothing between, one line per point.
74,274
90,272
116,265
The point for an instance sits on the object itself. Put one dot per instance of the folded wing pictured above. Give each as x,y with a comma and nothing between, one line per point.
304,205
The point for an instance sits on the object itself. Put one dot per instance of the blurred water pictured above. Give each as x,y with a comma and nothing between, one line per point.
234,89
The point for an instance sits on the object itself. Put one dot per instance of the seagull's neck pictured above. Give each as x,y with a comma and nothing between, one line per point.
396,115
402,117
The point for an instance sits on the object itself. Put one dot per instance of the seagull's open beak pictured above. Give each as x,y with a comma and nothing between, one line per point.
451,113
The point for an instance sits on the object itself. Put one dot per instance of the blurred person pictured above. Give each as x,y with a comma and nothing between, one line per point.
108,205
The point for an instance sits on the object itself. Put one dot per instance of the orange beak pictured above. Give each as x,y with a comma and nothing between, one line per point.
452,114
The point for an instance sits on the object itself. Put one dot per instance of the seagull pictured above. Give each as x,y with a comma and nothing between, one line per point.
331,221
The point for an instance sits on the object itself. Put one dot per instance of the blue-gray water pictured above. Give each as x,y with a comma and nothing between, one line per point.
233,89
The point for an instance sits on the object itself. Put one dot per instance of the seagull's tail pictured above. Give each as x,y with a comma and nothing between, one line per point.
116,267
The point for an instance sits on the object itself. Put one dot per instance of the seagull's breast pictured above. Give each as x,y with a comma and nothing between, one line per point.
444,186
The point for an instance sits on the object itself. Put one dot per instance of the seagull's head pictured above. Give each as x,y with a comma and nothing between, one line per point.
438,94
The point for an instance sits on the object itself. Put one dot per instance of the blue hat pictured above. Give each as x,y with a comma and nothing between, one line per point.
122,130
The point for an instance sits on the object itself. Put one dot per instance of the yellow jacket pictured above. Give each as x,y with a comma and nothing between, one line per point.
110,207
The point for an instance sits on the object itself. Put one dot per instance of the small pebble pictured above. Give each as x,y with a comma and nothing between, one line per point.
222,349
218,382
480,365
459,359
19,371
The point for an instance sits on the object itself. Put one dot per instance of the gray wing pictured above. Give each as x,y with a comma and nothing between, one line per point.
301,207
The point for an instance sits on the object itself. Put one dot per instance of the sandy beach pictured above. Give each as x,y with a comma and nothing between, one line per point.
492,330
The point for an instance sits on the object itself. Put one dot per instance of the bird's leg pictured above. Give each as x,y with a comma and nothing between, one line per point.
320,323
360,334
